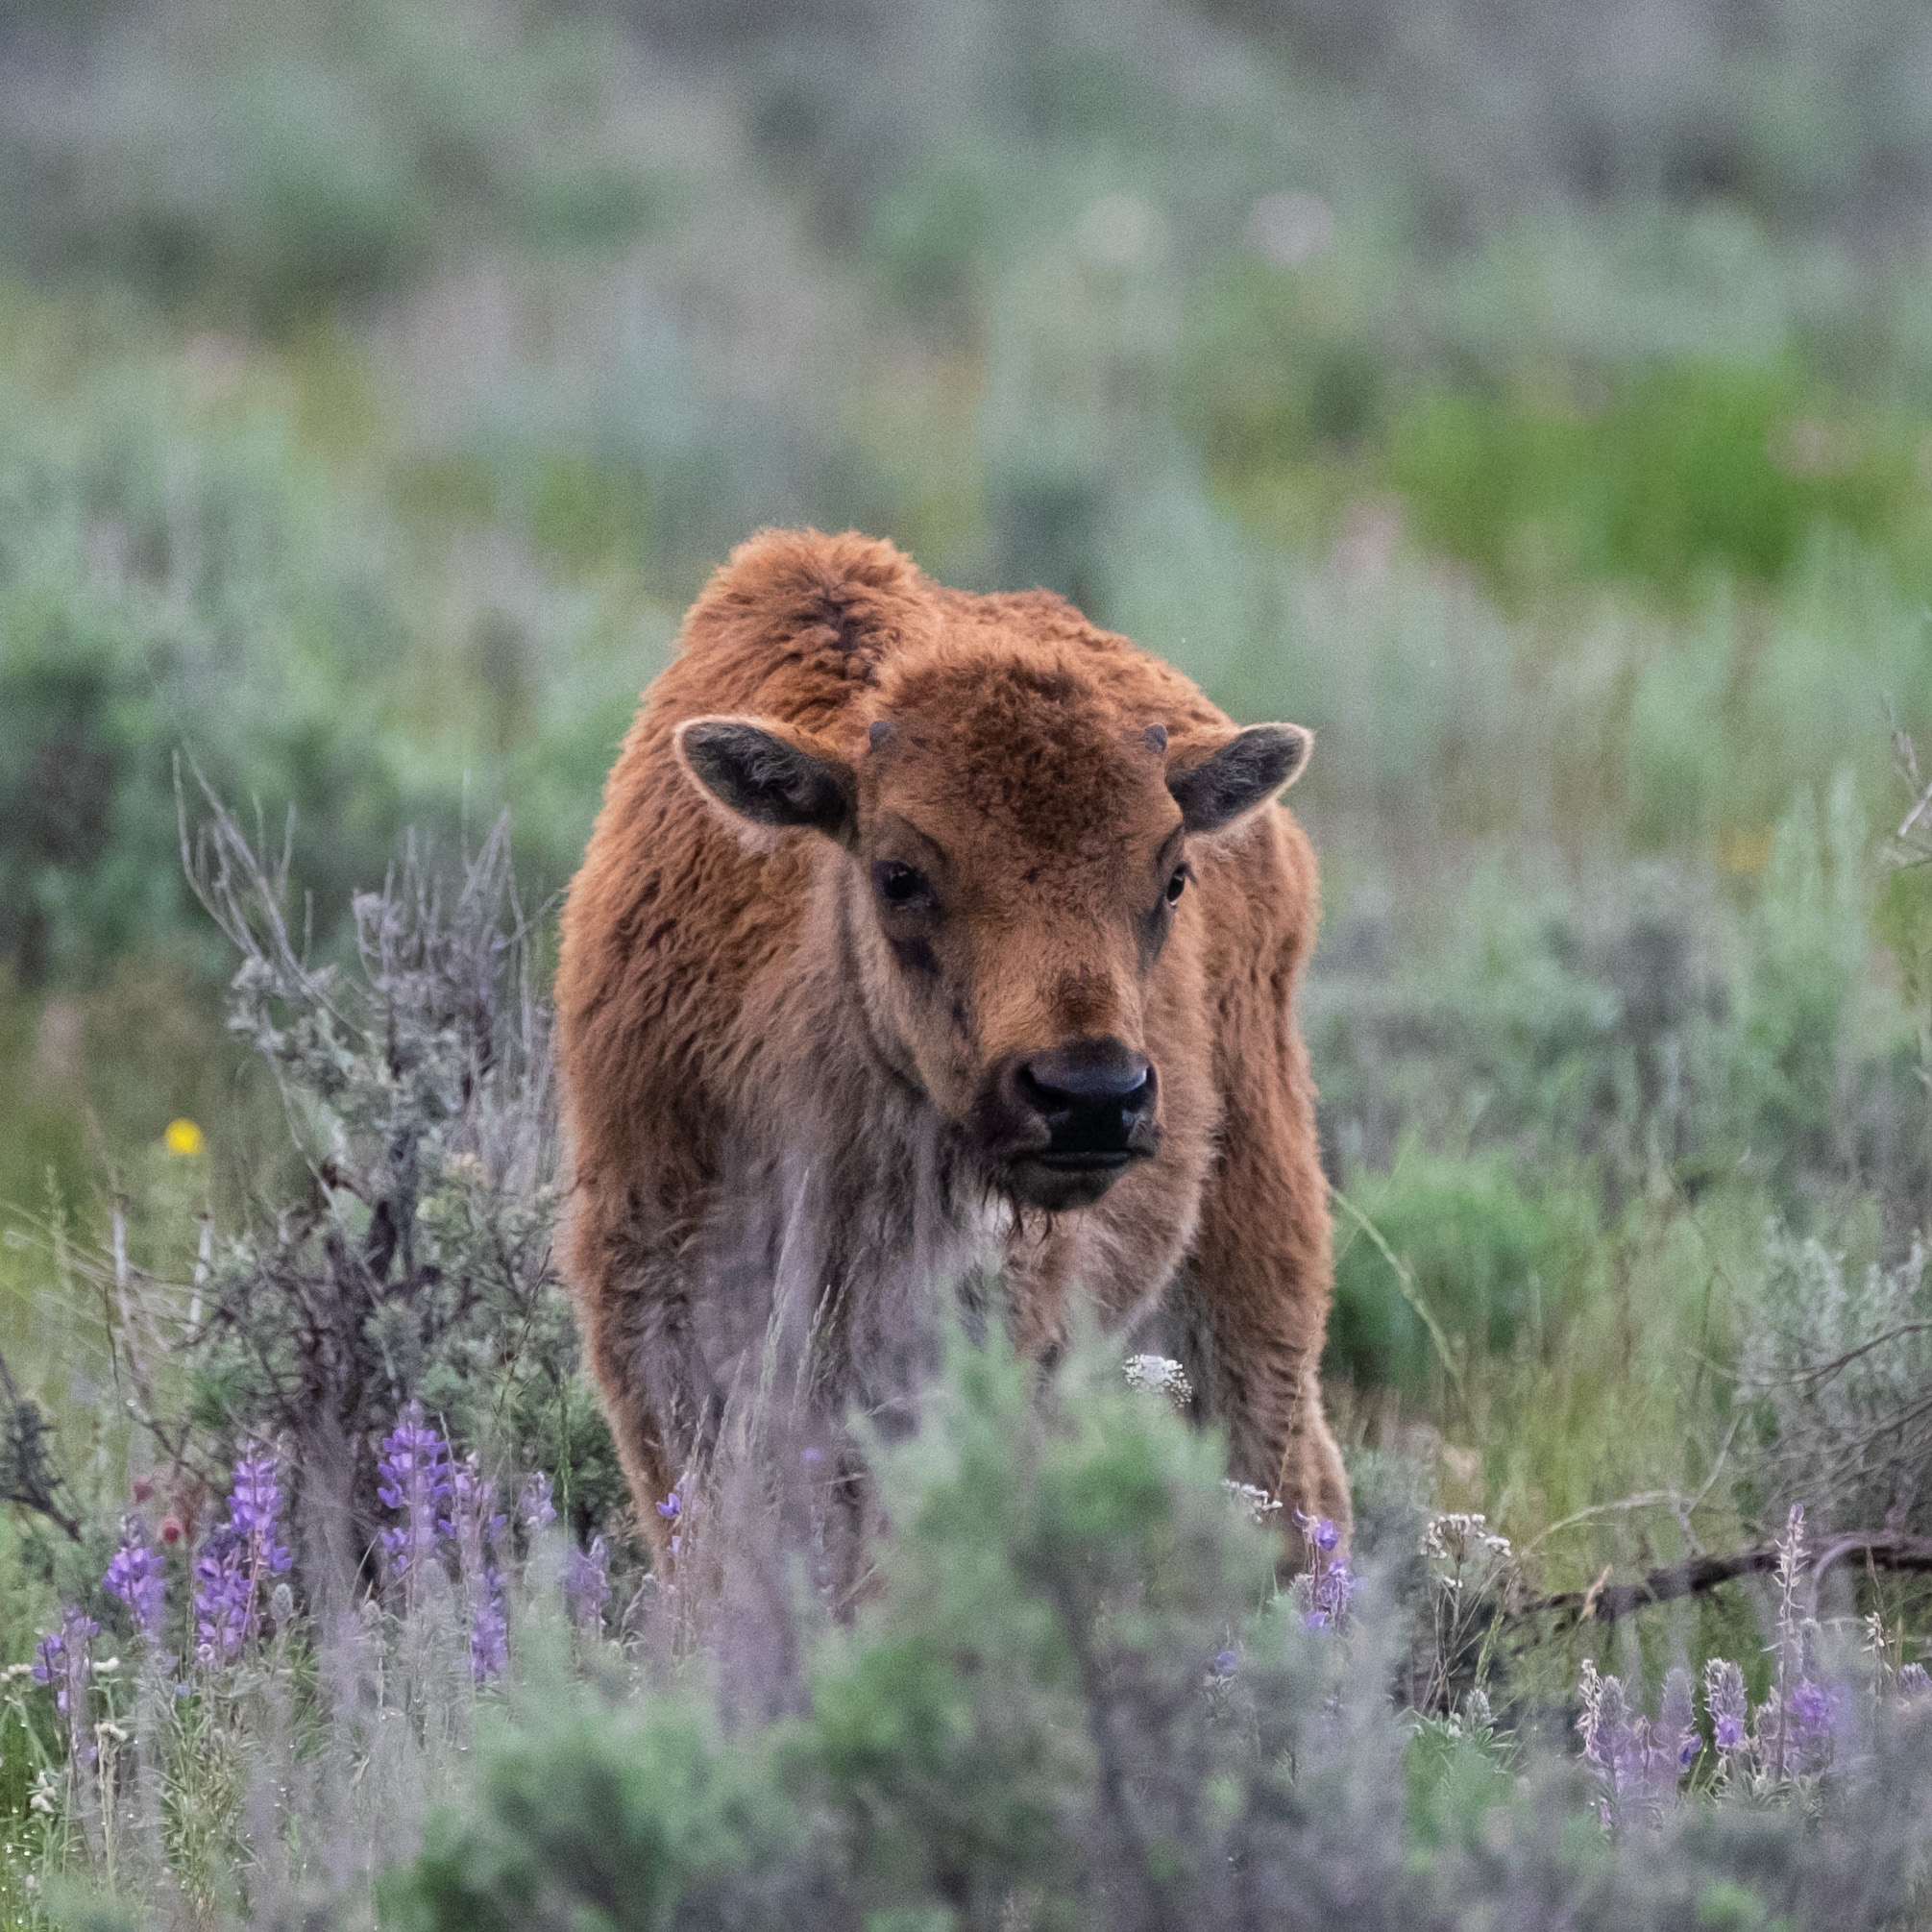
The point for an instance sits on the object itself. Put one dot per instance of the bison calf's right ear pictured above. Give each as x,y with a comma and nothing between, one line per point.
767,776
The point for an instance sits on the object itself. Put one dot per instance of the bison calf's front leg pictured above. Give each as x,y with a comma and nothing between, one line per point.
1262,1282
1264,1383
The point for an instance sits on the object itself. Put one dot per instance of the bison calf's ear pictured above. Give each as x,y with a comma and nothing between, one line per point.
1245,771
766,776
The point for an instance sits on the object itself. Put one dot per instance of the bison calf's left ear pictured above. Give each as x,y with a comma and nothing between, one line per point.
766,776
1245,771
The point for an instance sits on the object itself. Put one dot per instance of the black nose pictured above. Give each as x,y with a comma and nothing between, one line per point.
1091,1093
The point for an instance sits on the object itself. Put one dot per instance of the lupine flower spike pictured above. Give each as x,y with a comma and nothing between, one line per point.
1637,1762
1724,1697
415,1479
671,1510
1676,1727
252,1505
235,1562
1325,1588
1797,1721
490,1631
471,1521
60,1658
476,1531
63,1660
587,1584
222,1597
534,1507
136,1576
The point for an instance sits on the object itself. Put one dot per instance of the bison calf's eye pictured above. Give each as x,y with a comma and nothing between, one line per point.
1178,884
904,887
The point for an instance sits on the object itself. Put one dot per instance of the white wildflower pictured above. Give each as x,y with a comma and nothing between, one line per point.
1159,1375
1459,1534
1259,1504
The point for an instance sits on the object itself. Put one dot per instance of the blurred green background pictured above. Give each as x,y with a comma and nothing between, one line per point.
1533,396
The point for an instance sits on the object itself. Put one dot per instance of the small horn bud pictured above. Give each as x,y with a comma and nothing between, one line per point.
880,733
1157,737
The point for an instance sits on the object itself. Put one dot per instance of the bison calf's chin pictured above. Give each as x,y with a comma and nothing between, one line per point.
1058,1129
804,1101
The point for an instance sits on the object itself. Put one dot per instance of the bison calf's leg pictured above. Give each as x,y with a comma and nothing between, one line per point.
1261,1283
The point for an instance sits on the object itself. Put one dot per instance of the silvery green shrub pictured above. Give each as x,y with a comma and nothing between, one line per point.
409,1259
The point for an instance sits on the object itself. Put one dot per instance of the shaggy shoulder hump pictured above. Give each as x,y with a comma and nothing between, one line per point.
796,622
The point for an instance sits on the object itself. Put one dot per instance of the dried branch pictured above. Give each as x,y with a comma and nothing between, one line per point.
1819,1371
28,1476
1699,1576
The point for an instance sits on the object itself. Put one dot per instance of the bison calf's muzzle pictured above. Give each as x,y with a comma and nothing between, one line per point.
1069,1122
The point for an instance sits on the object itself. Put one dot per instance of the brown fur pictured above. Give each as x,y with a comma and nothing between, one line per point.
779,1090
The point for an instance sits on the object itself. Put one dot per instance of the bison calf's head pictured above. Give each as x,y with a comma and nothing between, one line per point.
1006,878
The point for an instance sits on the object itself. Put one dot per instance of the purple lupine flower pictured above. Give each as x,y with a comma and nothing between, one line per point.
236,1561
61,1658
224,1597
1319,1530
253,1504
1914,1681
587,1584
1676,1742
1724,1696
470,1522
1311,1527
490,1632
1814,1713
137,1576
1333,1587
1225,1663
1325,1588
475,1532
534,1507
677,1510
1637,1762
415,1479
1620,1744
50,1665
1811,1707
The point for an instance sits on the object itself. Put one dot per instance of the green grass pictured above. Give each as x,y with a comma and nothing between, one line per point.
1485,770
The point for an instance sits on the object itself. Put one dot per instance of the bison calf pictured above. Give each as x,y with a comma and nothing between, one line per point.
927,939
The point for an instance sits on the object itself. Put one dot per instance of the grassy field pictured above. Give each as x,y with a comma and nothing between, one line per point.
1536,405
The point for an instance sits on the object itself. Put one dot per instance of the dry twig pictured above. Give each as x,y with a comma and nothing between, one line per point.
1605,1602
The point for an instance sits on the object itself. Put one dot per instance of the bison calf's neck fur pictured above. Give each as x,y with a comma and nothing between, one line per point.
926,939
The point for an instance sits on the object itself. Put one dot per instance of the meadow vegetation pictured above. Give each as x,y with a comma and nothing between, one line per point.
1534,400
